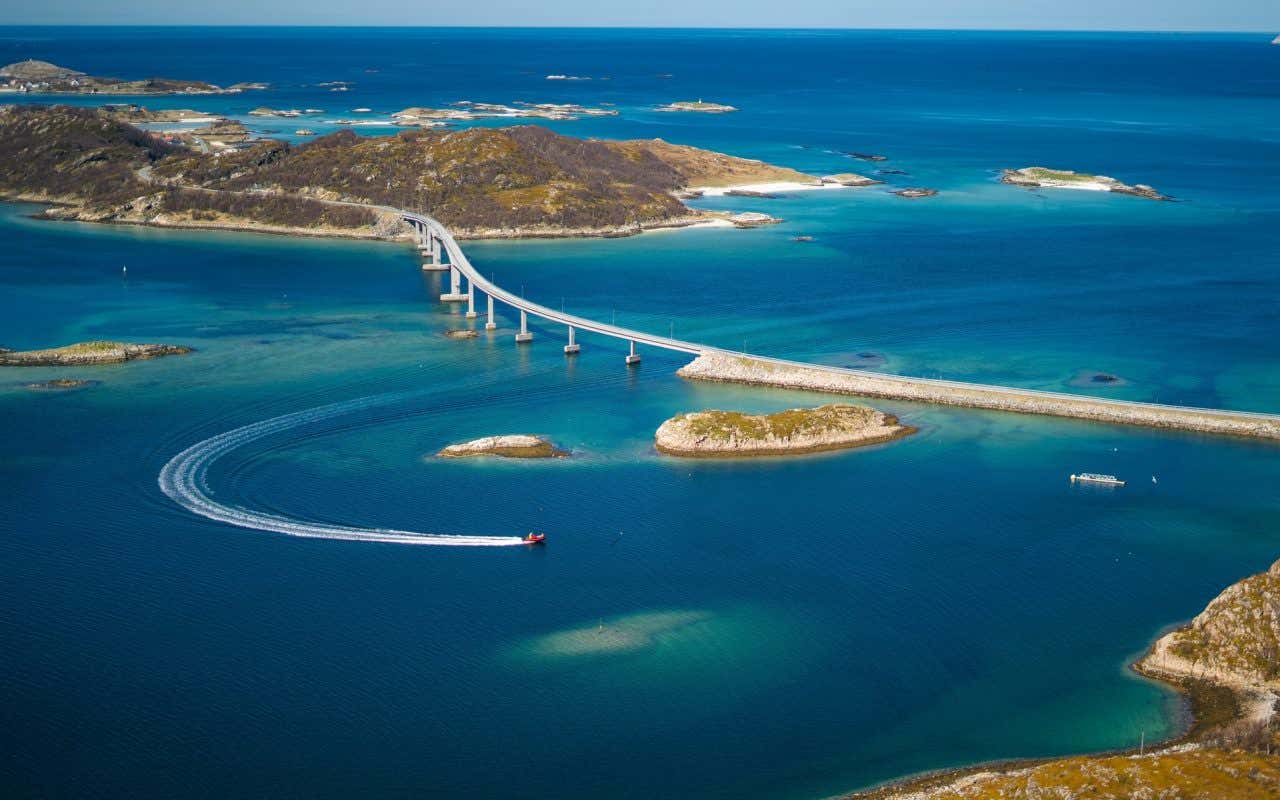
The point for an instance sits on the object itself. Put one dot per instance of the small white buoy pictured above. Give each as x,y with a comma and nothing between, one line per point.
1153,479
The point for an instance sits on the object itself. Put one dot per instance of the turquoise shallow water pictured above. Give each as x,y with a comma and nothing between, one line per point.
771,628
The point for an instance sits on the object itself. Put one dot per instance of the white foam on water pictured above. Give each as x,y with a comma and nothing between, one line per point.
183,480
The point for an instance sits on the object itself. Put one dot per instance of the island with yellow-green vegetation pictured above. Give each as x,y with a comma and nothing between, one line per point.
1227,663
712,434
88,353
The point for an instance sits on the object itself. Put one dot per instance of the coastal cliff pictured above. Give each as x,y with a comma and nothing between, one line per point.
518,181
726,434
1235,641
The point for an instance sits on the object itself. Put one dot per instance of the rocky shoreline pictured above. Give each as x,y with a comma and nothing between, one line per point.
796,431
729,368
88,353
65,210
509,446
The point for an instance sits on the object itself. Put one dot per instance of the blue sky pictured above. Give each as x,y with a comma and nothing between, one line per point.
1222,15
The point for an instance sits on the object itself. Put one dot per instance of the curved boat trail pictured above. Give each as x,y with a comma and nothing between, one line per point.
183,480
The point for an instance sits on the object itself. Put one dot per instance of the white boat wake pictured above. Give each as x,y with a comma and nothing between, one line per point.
183,480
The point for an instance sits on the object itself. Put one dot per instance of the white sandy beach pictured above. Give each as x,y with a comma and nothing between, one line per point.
1088,186
768,188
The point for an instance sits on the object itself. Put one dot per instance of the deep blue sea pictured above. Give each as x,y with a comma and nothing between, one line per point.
765,628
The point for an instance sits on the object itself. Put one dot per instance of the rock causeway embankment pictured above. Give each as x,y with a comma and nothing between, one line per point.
730,368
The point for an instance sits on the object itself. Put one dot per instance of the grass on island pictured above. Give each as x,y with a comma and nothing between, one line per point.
86,348
725,425
1066,176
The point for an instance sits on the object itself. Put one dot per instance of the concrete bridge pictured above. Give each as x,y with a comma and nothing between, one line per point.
441,252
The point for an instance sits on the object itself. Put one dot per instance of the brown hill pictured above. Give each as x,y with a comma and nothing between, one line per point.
505,181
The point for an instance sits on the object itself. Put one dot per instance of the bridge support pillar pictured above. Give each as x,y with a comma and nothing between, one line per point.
572,348
454,295
524,336
471,300
431,253
490,324
633,358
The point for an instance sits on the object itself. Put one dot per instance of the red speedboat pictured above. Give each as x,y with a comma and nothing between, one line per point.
535,538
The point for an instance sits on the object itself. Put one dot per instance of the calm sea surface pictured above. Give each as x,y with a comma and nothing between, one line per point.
768,628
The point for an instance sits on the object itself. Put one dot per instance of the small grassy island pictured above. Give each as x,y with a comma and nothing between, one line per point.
1227,660
86,353
791,432
1044,178
45,78
509,446
522,181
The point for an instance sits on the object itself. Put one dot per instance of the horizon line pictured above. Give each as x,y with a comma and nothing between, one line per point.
915,29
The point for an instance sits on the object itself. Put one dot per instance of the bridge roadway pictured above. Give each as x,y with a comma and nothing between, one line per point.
432,235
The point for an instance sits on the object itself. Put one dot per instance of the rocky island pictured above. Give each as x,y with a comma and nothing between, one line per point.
795,431
1043,178
915,192
61,385
752,219
87,353
466,110
850,179
1227,660
512,182
44,78
697,106
508,446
